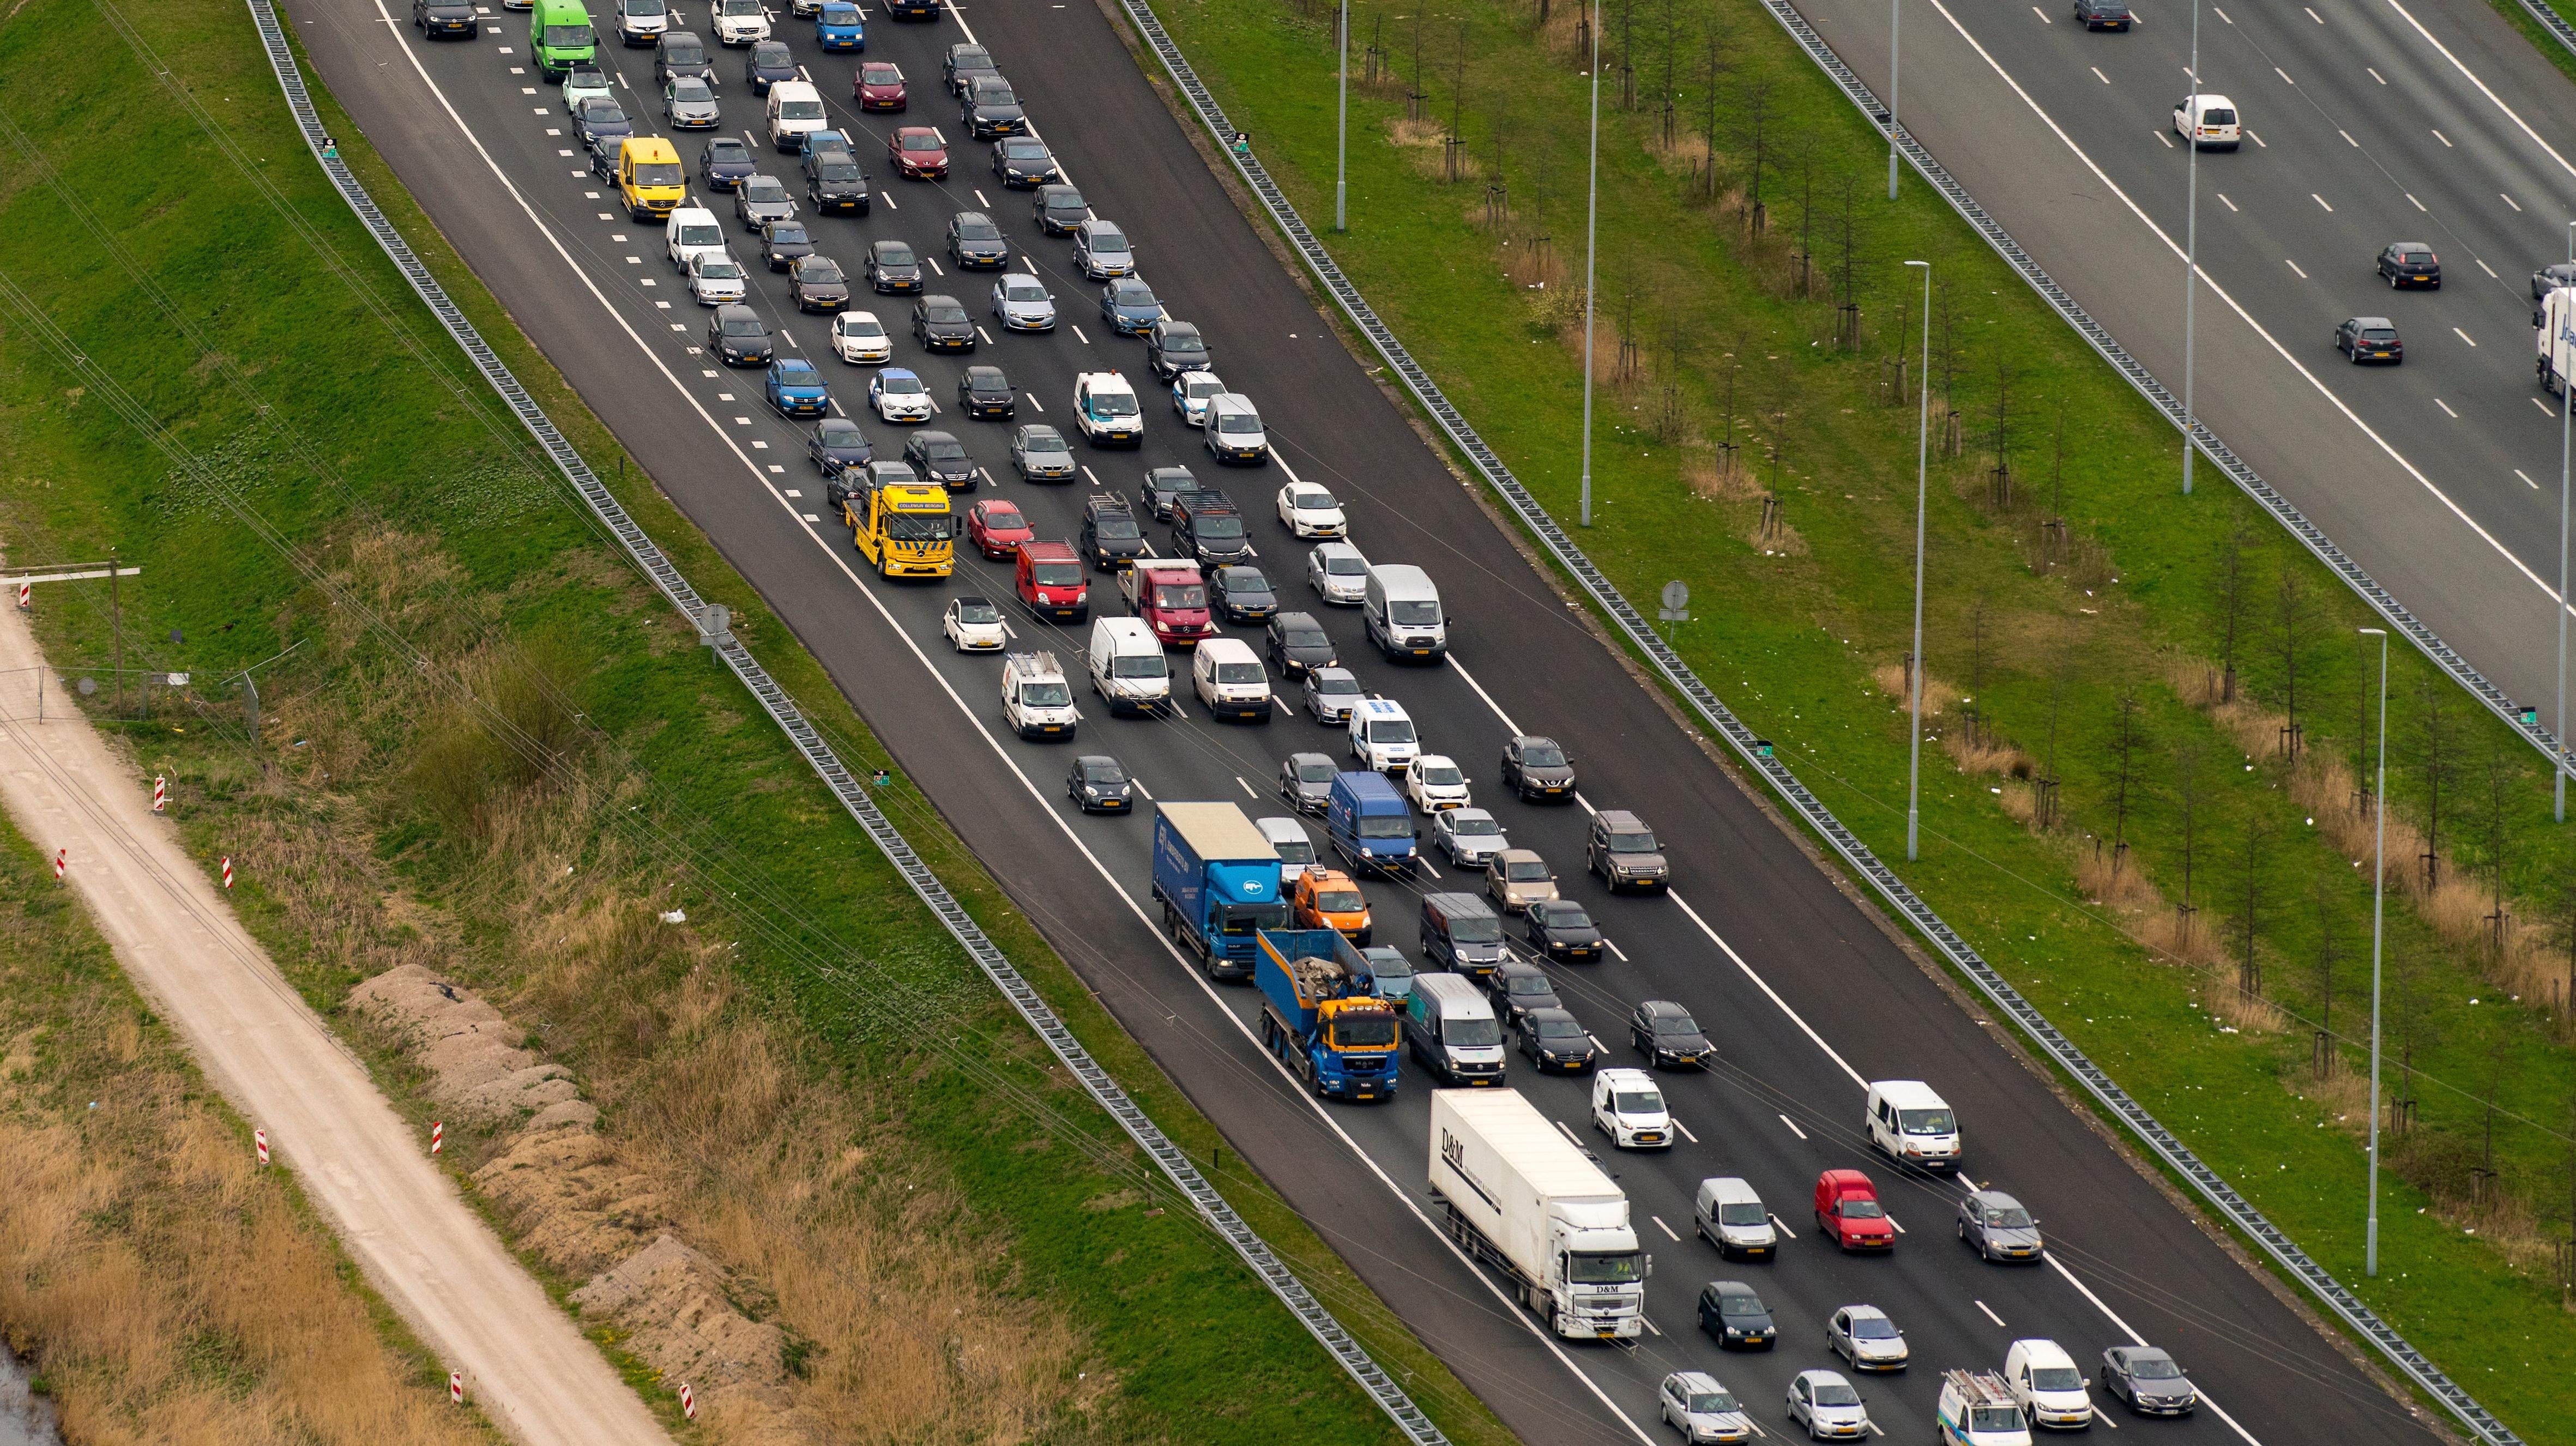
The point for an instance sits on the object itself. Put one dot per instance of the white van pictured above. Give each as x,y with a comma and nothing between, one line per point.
1401,612
2047,1384
1450,1027
1731,1216
1976,1410
1230,680
1036,700
692,229
1912,1126
1382,735
795,107
1296,846
1233,429
2208,121
1128,671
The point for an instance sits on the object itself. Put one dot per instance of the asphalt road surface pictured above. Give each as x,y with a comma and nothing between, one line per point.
2370,121
1804,994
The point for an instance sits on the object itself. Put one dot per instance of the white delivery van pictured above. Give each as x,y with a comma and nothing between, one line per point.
690,231
2208,121
1401,613
2048,1386
1976,1410
1232,429
1731,1216
1128,670
1912,1126
1449,1025
1230,680
795,107
1036,700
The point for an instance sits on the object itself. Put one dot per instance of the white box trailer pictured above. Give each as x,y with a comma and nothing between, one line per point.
2553,320
1523,1198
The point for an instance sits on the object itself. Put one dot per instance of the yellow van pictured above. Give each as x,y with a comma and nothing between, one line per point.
649,177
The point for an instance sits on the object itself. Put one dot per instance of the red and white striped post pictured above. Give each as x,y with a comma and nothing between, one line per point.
160,793
260,1138
437,1135
688,1403
60,855
228,871
26,595
456,1387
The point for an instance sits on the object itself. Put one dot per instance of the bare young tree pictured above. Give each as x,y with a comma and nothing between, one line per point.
2231,607
1756,127
1672,50
1627,54
2128,735
2187,791
2250,900
2498,813
2566,912
2438,765
2291,620
2329,954
1712,66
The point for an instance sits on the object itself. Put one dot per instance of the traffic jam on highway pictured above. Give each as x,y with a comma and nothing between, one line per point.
846,242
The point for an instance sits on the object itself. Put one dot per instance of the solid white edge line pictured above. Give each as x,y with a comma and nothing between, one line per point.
2492,98
1512,1308
1765,986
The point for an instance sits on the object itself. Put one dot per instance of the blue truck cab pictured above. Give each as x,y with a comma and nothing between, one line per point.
1321,1013
1217,878
839,26
1368,824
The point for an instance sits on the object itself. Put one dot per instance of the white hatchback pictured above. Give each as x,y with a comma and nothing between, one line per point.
973,625
1310,511
1435,784
1629,1108
1826,1404
860,339
1190,393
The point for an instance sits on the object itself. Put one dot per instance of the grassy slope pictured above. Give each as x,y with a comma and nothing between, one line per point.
1792,640
1198,1349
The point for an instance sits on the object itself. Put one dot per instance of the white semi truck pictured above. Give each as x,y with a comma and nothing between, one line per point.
1522,1197
2553,320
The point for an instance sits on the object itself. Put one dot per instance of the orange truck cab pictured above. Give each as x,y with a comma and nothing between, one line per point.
1323,898
1847,1210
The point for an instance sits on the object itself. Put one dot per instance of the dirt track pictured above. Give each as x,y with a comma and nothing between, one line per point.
274,1059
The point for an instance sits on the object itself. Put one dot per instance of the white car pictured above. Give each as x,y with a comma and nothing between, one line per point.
899,395
740,22
1435,784
973,625
1190,393
641,22
581,83
1469,836
1628,1108
1382,736
1826,1404
860,339
2208,121
2048,1385
1310,511
1702,1410
1296,846
1338,572
1232,431
1864,1336
690,230
716,278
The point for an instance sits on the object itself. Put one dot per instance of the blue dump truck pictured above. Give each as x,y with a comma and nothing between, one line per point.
1369,825
1217,878
1321,1013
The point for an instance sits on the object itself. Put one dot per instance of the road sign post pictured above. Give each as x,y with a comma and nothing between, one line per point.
1676,606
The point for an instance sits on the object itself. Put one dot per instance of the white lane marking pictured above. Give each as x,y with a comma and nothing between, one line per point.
1248,788
1793,1127
2285,76
2518,472
1660,1225
2375,75
2168,140
2464,336
2320,200
2294,266
2544,411
2312,15
2221,14
1425,865
2098,75
979,197
2258,140
1141,788
2347,138
1765,985
1892,1221
986,335
2445,140
1077,331
2222,197
1569,1134
2446,409
1621,954
2482,90
2105,1418
934,265
1782,1225
2489,270
2042,14
1686,1134
889,202
2136,1339
2510,201
1990,1315
2418,204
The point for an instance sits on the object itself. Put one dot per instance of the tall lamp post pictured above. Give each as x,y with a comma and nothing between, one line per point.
2190,240
1895,13
2566,417
1922,475
1591,240
1342,131
2378,899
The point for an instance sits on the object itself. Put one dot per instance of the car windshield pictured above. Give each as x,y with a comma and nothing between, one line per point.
1023,148
1367,1031
738,7
764,188
1056,574
770,55
1303,638
1389,965
1525,871
941,449
1302,851
1472,827
900,386
1387,826
1640,842
1245,422
1045,695
586,79
836,169
658,173
1111,404
1116,525
1532,985
1740,1305
600,110
1101,770
1558,1028
1238,672
1563,915
838,433
1542,755
1067,199
641,9
1836,1393
871,74
1242,580
1339,901
1442,776
1107,238
1391,730
690,87
2154,1368
1316,771
570,37
682,53
911,527
944,315
978,231
1045,442
1743,1212
817,268
893,253
1220,525
1860,1210
2011,1218
1323,683
1708,1403
1668,1025
1471,1033
982,614
1180,595
1873,1328
1311,499
726,148
2056,1378
1414,614
1928,1122
994,95
745,326
1636,1101
1130,293
790,233
971,57
1478,929
859,323
919,143
1138,665
1178,340
1023,291
1344,564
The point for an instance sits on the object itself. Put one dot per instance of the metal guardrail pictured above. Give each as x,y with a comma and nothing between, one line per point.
2550,20
1749,747
1354,1358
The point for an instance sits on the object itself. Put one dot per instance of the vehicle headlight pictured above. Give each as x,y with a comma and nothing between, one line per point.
1091,790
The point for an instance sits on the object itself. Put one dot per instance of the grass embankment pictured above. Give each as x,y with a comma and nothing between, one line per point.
490,748
169,1289
2098,765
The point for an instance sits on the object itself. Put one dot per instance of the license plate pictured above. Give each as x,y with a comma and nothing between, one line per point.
1052,728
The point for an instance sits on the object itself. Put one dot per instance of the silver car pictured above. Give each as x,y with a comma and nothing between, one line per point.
760,200
1469,836
1999,1227
1023,303
1701,1409
1338,572
1331,694
690,103
1039,450
1864,1336
1826,1404
1306,781
1100,250
715,278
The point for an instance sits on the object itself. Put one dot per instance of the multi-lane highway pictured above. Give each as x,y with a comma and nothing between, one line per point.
2369,121
1803,991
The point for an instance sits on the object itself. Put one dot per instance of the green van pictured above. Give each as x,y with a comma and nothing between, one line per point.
559,36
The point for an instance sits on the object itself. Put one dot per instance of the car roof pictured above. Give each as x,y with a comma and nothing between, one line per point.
1734,1287
1279,827
1337,672
898,372
1627,1075
1517,855
1303,756
981,373
965,598
1618,818
1693,1381
1383,708
1038,429
1550,1014
2039,1352
1661,1009
1908,1094
1864,1312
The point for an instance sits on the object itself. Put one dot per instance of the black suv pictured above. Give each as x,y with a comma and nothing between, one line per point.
834,182
940,323
1173,347
939,457
681,53
2102,14
962,64
985,392
992,110
1060,210
976,244
1206,526
2410,263
1537,768
1110,535
1164,486
737,337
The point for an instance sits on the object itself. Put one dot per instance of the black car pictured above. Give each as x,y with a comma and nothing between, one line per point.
1537,768
1666,1034
1520,988
724,163
939,457
817,284
1735,1317
1555,1039
1306,781
1059,210
1561,929
940,323
962,64
985,392
1163,487
836,443
759,200
992,110
1206,527
680,53
601,123
1024,161
781,242
2370,339
2410,263
2551,277
444,18
1097,784
1109,535
976,244
835,184
1296,642
769,62
1173,347
2148,1380
914,9
737,337
1242,594
891,266
2103,14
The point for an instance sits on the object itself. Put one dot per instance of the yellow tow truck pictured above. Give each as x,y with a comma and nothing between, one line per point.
901,524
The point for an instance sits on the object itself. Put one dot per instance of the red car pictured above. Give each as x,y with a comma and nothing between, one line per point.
1847,1210
997,528
1051,580
879,86
917,152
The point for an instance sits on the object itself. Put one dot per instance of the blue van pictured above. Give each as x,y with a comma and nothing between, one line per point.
1368,824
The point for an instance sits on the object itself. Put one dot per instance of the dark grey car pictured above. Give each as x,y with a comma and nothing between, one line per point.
1296,642
939,457
2149,1380
1623,852
1999,1227
1666,1034
1537,768
1306,781
759,200
1060,210
1519,989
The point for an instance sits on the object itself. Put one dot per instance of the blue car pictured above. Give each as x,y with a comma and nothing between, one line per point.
796,389
1128,305
837,27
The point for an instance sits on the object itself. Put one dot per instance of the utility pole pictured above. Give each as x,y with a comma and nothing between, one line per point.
1591,251
2566,419
2190,240
1895,13
2378,901
1922,495
1342,132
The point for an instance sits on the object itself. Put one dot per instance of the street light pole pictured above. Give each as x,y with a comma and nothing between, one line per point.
1591,241
1895,13
2190,240
1342,131
2566,419
1922,476
2378,900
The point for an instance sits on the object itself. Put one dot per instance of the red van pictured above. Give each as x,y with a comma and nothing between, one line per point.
1847,1210
1052,581
1171,597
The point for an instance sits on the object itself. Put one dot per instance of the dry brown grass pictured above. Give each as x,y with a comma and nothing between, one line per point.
1718,478
1531,266
1425,142
1937,695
